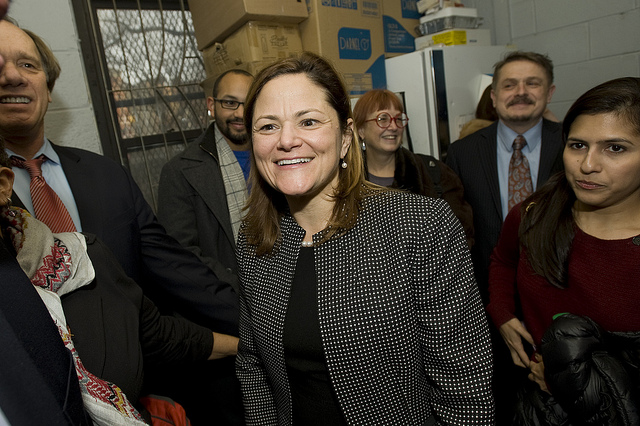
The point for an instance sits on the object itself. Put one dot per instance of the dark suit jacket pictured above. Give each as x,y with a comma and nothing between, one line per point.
114,325
474,159
192,206
112,207
38,381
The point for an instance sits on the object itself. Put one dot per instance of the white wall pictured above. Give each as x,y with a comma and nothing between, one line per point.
70,120
589,41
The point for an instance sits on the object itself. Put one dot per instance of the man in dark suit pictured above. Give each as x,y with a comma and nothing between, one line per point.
100,195
521,89
102,198
38,381
31,350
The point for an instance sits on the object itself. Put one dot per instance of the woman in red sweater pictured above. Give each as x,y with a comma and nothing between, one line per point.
574,245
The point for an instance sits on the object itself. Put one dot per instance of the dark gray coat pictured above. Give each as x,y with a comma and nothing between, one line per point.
192,206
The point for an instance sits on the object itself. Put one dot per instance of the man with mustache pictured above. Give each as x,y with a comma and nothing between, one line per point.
521,89
201,194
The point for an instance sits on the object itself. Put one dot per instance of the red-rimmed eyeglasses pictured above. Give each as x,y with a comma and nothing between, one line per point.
383,120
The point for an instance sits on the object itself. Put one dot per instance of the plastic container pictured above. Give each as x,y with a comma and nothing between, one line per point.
449,18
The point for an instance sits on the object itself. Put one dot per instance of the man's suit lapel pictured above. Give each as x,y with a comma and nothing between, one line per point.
206,179
549,151
488,161
90,204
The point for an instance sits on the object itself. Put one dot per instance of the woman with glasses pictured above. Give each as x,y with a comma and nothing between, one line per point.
380,120
358,303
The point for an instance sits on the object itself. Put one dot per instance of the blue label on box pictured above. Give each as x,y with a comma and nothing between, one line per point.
344,4
378,74
396,38
354,43
410,9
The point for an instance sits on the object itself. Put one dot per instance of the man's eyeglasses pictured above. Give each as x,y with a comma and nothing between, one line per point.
383,120
228,103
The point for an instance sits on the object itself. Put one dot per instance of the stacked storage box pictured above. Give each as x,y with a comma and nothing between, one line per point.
349,33
356,35
450,26
245,34
400,20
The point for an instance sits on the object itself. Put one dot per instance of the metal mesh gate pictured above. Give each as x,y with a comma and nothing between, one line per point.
152,80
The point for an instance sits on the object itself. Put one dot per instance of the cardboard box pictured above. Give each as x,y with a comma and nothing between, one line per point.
215,20
251,67
253,42
348,33
479,37
400,20
427,6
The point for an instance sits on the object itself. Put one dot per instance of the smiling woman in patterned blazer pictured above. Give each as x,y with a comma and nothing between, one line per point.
358,303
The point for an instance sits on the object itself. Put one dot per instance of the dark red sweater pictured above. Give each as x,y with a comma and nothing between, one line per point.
604,283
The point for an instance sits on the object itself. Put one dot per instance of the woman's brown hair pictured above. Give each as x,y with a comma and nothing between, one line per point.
265,205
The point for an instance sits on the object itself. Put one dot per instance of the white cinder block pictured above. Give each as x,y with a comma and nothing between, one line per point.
51,19
574,45
522,19
559,108
575,79
552,14
69,91
615,35
60,126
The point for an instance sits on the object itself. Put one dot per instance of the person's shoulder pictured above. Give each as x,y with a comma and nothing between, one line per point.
551,129
201,149
550,124
85,155
482,133
463,147
402,205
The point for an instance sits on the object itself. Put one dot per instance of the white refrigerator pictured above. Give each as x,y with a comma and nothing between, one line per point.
440,88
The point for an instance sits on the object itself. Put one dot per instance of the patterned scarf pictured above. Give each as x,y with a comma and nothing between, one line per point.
234,184
58,264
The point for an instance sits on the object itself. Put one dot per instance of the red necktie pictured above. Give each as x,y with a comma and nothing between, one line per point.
520,185
47,205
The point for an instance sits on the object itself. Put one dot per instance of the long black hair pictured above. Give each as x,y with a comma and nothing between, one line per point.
547,228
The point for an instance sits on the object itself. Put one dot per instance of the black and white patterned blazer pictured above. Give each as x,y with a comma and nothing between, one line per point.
402,325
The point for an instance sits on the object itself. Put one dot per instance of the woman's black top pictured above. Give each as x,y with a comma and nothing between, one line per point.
313,398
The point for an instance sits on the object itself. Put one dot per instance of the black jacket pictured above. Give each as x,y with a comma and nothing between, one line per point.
115,327
38,381
412,173
594,377
112,207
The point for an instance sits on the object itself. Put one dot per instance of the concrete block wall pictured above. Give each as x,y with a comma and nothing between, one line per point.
70,120
589,41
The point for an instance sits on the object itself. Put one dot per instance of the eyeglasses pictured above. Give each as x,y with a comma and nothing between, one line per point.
383,120
228,103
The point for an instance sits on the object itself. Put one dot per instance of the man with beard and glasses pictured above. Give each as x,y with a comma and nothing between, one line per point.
201,194
521,89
